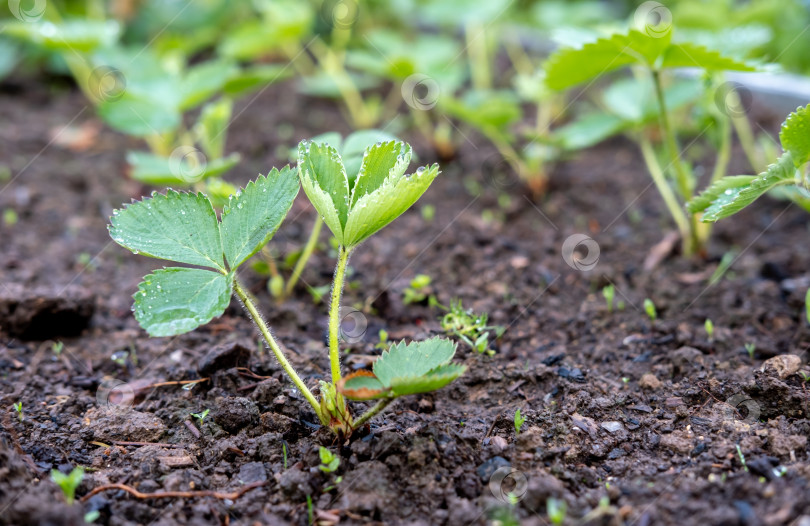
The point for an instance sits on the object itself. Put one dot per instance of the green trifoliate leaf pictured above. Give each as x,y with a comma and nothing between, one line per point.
727,199
178,169
431,381
175,300
571,66
377,209
688,55
178,226
324,181
413,359
725,186
355,210
795,135
253,215
418,367
139,115
381,162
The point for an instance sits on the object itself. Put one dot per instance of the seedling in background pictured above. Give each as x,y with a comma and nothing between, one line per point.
68,483
470,328
556,510
750,348
184,227
57,348
709,326
329,461
742,458
609,292
383,344
789,174
18,408
10,217
655,54
418,290
201,416
519,421
650,310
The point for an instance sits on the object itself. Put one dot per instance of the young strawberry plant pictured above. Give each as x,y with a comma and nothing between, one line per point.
789,173
653,54
184,228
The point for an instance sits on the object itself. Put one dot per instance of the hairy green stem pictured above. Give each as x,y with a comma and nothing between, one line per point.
746,137
309,248
254,314
334,313
664,188
371,413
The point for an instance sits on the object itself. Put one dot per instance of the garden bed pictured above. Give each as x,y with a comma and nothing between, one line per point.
617,406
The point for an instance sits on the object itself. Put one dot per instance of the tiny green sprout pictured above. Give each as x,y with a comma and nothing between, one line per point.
68,483
201,416
750,348
556,510
91,516
519,421
504,515
383,345
120,358
620,305
354,203
805,376
329,461
310,510
649,308
709,326
10,217
625,380
57,347
470,328
609,293
284,453
742,458
18,408
418,290
428,213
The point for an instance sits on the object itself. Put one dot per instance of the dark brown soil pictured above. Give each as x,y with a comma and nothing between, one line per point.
644,417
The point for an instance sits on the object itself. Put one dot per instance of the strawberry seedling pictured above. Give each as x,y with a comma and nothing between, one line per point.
519,421
653,54
68,483
470,328
184,228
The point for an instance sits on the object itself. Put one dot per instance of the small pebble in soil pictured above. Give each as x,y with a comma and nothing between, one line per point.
488,468
782,366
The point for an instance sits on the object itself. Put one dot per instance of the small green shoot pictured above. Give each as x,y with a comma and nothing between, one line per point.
609,293
68,483
519,421
428,213
310,510
649,308
470,328
556,510
709,326
57,348
10,217
418,290
742,458
329,461
750,348
18,408
383,344
201,416
284,453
